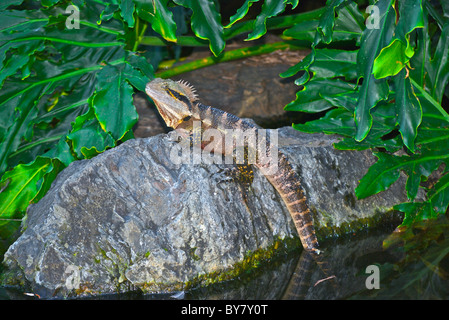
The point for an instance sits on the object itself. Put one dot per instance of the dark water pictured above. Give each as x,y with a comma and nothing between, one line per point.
415,266
409,265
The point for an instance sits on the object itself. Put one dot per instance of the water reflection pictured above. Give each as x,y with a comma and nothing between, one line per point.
338,273
423,272
341,270
414,269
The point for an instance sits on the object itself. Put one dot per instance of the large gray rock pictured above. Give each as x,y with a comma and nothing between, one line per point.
130,218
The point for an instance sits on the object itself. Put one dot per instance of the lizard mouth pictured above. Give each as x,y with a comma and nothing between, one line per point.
169,119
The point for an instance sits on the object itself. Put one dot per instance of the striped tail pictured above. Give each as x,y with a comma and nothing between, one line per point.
287,183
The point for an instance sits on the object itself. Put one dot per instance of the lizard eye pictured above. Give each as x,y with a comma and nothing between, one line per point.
186,118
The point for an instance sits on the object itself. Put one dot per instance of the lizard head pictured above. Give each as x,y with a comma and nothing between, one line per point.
173,99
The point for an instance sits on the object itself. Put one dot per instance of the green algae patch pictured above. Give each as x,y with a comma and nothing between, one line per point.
252,261
380,220
12,278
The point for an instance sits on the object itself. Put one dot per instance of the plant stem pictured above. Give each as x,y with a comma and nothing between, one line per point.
225,56
186,41
71,42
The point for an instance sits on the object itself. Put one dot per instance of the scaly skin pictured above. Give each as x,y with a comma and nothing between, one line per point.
178,106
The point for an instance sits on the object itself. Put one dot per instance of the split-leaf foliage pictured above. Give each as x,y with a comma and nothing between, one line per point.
69,70
386,93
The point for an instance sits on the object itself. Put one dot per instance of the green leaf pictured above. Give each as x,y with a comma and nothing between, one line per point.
414,211
341,121
393,58
326,25
14,52
56,60
23,51
310,98
303,65
136,78
270,8
6,3
439,195
424,96
349,25
398,89
304,30
380,176
206,23
384,120
48,179
109,12
437,204
21,185
445,6
156,12
438,68
27,95
294,3
372,91
127,8
386,170
241,13
113,101
17,124
52,123
49,3
88,138
408,109
330,63
338,121
61,151
419,61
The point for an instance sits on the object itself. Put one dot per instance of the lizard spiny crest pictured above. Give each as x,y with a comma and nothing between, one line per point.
189,90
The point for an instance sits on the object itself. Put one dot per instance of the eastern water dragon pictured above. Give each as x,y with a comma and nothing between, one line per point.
178,105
